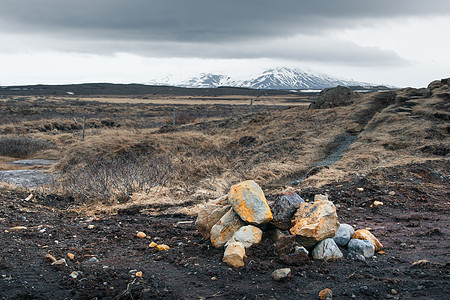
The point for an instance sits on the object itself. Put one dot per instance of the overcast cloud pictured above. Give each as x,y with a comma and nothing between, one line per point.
292,30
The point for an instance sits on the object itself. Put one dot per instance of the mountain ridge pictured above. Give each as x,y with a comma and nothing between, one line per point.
282,78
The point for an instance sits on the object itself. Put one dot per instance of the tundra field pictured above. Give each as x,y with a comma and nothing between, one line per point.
150,162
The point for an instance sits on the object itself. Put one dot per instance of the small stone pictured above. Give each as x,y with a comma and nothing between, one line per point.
314,222
225,228
214,278
392,193
362,247
249,202
74,274
162,247
50,258
93,260
394,292
363,234
247,235
284,209
139,274
18,228
152,245
376,203
91,226
421,263
300,249
141,235
344,234
60,262
71,256
234,255
360,189
327,250
326,294
281,274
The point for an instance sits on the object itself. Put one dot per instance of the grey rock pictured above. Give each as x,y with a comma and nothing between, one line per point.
327,250
343,235
281,274
362,247
284,209
299,249
27,178
93,260
333,97
247,235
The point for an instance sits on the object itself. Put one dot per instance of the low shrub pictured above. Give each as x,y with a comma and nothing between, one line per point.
23,146
111,179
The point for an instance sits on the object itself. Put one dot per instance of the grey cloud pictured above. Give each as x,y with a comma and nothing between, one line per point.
207,28
201,20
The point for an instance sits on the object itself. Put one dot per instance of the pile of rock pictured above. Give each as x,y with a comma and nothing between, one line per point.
236,221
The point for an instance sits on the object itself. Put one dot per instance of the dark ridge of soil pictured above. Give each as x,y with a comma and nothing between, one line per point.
412,224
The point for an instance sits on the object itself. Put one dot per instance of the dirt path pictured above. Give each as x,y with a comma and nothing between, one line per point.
412,224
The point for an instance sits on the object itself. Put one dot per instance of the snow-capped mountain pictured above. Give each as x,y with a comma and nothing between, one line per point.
210,81
283,78
287,78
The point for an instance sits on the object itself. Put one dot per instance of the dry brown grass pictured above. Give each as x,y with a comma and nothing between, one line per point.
271,147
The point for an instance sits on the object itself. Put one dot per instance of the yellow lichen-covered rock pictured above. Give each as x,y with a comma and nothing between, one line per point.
364,234
234,255
247,235
162,247
152,245
224,229
249,202
314,222
141,235
210,214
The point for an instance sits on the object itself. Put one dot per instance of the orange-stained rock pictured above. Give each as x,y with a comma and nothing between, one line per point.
234,255
364,234
208,216
249,202
224,229
325,294
162,247
314,222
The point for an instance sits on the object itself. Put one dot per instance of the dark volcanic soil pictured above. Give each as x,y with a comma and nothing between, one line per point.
412,224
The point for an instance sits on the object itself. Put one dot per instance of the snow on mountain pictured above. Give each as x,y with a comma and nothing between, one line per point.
282,78
287,78
209,81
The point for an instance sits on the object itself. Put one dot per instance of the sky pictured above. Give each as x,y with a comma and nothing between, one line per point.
399,43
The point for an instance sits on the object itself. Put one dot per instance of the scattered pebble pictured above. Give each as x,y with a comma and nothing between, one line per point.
93,260
162,247
421,263
152,245
141,235
60,262
392,193
360,189
74,274
214,278
376,203
18,228
71,256
394,292
281,274
139,274
326,294
91,226
50,258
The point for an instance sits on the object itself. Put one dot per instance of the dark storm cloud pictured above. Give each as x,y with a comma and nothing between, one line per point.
193,24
